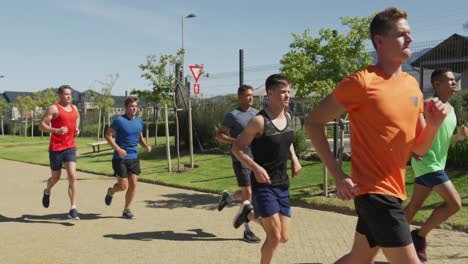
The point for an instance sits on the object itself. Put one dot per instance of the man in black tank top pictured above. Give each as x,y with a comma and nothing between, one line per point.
270,135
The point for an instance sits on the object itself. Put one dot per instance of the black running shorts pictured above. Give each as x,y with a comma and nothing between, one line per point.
124,167
242,174
382,220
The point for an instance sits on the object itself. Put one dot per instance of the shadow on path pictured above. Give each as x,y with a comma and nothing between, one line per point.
177,200
52,218
27,220
196,235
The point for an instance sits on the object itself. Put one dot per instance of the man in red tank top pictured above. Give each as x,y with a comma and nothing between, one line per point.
62,121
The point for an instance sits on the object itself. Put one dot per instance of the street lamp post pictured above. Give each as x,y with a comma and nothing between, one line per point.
183,17
183,50
182,83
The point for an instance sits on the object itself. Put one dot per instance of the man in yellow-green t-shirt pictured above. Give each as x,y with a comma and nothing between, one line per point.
429,169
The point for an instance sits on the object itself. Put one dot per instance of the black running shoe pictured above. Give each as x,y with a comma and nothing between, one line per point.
250,237
242,215
45,199
73,214
108,198
223,202
420,245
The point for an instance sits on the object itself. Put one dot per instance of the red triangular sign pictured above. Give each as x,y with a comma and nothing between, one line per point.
196,71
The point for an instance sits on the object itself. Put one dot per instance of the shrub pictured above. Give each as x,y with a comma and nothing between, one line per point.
300,137
207,115
458,153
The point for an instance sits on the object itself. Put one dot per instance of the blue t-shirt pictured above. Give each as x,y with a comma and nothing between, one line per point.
127,135
236,121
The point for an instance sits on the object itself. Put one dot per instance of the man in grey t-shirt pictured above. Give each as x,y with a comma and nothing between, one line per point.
234,123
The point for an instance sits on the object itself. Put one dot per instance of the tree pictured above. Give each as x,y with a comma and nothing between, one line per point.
45,98
25,103
317,65
104,101
159,71
3,107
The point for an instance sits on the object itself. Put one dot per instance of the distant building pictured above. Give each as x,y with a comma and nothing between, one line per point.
82,100
451,53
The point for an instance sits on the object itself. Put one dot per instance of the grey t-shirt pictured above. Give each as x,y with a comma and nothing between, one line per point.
236,121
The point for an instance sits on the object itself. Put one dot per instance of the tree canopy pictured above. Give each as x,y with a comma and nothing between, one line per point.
316,65
159,71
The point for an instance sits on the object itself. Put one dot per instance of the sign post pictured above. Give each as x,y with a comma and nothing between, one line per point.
196,72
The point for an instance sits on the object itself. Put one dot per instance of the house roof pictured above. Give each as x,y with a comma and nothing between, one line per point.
10,96
451,53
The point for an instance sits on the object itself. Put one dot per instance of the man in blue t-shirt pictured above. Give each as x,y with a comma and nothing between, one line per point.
127,130
234,123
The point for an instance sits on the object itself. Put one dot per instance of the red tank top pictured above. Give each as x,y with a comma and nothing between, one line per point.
61,142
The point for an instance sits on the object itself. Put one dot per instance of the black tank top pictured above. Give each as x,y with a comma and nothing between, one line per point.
271,151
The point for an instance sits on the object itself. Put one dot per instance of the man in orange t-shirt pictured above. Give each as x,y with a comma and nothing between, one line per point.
385,107
62,121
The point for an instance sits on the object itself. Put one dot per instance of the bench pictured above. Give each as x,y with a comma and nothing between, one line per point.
97,144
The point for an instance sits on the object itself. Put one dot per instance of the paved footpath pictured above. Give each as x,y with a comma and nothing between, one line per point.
172,226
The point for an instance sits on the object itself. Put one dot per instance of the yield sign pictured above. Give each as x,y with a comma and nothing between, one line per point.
196,71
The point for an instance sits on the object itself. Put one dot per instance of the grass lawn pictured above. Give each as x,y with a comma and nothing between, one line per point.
213,173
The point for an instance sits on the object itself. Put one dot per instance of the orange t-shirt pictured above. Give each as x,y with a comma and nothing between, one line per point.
383,113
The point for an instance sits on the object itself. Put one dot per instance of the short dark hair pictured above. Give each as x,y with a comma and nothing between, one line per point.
130,99
62,88
276,81
381,23
438,73
243,88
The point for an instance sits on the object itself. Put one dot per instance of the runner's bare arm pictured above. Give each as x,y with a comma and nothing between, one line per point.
143,143
435,112
462,134
222,135
296,166
315,124
45,126
109,136
254,128
77,125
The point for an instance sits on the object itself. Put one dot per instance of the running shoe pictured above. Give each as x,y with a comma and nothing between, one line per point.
73,214
223,201
45,199
128,214
250,237
242,215
420,245
108,198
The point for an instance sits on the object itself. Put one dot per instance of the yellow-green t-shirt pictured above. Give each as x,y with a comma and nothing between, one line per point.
436,157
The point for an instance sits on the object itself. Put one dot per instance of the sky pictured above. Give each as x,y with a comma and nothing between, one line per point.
82,43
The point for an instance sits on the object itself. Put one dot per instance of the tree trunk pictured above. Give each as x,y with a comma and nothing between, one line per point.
3,128
103,125
156,118
26,128
177,135
168,146
99,125
32,124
